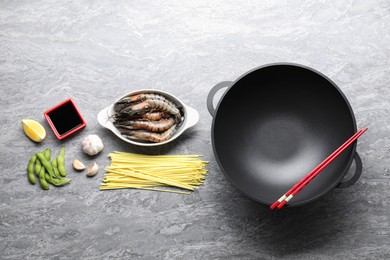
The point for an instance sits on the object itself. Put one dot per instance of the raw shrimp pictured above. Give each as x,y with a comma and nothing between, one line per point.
129,100
121,104
153,126
149,136
151,104
145,96
151,116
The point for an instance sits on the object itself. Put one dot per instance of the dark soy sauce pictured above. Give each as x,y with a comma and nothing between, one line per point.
65,118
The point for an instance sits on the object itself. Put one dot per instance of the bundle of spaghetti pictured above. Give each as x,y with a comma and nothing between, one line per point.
154,172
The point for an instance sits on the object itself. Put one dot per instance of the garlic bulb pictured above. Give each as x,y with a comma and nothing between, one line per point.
92,144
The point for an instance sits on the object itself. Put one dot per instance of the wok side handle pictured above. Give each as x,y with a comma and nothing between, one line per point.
213,91
356,176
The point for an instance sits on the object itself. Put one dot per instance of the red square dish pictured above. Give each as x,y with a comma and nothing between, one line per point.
65,119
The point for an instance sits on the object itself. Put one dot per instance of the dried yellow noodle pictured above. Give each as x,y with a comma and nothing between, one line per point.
149,172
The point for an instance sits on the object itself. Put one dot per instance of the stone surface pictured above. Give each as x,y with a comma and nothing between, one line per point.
96,51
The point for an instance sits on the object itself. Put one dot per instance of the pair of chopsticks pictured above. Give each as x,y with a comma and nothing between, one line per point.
316,171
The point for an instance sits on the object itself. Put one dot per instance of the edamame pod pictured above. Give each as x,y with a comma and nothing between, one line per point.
47,176
38,166
47,154
60,182
45,163
30,169
61,162
42,179
54,163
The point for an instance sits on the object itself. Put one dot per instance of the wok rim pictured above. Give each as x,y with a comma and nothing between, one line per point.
291,64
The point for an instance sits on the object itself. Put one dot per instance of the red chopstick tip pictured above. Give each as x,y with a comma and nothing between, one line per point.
276,203
303,182
282,204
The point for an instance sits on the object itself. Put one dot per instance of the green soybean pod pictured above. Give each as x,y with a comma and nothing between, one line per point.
30,169
45,163
47,154
54,163
60,182
38,166
47,176
42,179
61,162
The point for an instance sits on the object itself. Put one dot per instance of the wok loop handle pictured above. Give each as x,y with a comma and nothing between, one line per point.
355,177
213,91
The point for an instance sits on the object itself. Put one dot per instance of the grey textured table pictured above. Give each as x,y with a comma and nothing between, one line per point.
95,51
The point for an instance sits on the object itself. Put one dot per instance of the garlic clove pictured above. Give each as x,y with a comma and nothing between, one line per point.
77,165
93,169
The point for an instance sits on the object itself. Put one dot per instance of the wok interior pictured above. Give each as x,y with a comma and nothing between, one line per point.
275,125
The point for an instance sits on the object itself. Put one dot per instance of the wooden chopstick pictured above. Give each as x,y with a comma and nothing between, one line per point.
317,170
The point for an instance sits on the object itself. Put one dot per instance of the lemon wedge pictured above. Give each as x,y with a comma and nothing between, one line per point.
34,130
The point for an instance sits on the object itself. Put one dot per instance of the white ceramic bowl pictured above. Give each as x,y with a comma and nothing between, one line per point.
191,117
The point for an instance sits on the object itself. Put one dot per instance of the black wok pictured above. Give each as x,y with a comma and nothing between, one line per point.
274,124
